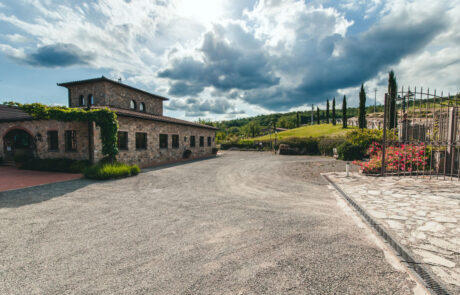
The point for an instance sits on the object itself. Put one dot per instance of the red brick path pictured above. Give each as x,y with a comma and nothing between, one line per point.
13,178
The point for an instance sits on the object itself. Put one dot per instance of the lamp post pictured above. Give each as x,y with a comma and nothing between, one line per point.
270,131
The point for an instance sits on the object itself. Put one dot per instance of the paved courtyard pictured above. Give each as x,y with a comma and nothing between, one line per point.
422,214
241,223
14,178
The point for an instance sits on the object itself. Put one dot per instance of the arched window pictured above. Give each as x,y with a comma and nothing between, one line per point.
81,100
90,100
142,107
133,105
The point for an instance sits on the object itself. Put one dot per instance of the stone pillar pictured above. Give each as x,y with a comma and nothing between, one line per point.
451,137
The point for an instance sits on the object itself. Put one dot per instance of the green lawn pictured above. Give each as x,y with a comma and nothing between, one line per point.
310,131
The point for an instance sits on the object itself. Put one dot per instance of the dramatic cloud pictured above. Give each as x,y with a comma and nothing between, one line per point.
195,107
263,56
57,55
231,58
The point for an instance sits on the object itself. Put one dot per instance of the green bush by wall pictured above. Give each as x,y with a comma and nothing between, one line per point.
348,151
326,145
110,171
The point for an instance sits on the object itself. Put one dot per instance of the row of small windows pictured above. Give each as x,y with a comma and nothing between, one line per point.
89,100
133,106
141,141
70,140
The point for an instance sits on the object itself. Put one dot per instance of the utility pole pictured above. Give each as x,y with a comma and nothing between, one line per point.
375,99
312,110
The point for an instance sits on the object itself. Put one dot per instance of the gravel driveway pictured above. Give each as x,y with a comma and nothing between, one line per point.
242,223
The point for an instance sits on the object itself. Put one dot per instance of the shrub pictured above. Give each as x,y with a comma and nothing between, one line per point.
326,144
56,165
21,158
304,146
187,154
135,170
365,137
406,157
348,151
110,171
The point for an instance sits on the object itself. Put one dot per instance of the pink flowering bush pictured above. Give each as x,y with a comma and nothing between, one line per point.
407,157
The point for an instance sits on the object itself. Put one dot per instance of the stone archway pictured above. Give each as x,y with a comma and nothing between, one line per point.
17,142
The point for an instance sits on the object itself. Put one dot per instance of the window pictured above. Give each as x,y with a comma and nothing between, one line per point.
81,100
70,140
122,140
142,107
163,141
90,100
192,141
133,104
209,140
141,141
53,143
175,141
201,141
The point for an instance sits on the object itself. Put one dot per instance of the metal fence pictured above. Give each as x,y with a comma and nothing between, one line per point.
421,134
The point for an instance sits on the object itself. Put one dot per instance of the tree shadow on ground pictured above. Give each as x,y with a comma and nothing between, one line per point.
37,194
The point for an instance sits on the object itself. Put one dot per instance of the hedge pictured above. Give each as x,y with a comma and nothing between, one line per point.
110,171
53,165
327,144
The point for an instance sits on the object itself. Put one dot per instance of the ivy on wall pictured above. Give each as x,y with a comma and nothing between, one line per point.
104,118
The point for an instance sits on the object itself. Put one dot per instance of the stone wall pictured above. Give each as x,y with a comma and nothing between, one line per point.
153,154
110,94
41,127
97,90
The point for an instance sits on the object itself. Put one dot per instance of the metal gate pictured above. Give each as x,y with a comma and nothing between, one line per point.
421,134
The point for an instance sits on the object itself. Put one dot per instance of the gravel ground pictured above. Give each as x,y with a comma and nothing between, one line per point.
242,223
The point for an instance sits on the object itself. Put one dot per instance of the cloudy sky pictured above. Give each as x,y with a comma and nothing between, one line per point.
224,59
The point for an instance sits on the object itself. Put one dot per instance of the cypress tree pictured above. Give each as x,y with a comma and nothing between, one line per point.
344,112
362,108
333,112
327,112
392,89
317,116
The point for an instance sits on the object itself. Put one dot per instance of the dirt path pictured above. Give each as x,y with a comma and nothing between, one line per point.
243,223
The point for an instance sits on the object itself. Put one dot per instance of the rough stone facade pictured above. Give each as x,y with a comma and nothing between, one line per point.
117,96
113,94
153,154
38,130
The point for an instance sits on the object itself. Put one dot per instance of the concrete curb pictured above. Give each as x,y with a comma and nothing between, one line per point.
425,277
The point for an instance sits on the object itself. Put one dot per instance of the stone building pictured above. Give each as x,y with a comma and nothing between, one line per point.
145,136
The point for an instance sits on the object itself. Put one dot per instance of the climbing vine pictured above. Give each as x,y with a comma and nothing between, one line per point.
104,118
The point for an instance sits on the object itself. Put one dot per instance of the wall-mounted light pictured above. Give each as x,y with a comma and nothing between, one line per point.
38,137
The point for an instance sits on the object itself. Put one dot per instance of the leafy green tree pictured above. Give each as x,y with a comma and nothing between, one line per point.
362,108
344,112
392,92
252,128
327,112
298,120
317,115
333,112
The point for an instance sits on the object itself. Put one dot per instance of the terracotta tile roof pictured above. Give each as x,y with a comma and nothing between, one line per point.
8,114
66,84
134,114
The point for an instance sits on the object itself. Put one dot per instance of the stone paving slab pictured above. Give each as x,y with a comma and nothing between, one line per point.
422,214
